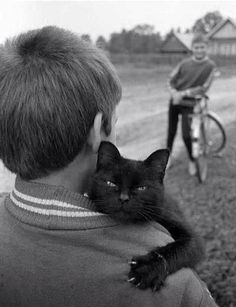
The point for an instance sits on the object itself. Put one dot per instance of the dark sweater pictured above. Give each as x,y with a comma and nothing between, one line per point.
191,73
55,250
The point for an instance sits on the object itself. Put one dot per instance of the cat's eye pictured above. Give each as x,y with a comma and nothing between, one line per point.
110,184
143,188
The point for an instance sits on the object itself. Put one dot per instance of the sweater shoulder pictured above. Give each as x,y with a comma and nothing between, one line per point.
211,63
2,197
189,62
186,61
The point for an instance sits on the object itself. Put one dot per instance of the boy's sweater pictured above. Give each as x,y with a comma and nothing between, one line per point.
191,73
55,250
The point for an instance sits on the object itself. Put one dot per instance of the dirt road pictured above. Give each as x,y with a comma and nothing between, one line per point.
143,123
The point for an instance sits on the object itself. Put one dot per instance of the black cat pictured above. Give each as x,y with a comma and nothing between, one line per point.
133,191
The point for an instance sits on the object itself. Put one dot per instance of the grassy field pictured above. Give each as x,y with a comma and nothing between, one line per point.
211,208
141,128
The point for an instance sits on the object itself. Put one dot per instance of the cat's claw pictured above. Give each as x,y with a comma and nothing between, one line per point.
148,272
154,289
131,279
157,286
132,262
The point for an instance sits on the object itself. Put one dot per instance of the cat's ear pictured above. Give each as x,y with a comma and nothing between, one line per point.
158,159
108,153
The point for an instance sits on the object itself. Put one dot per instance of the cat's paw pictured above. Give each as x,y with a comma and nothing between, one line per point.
148,271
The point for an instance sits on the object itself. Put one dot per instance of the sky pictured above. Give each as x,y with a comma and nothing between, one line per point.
104,17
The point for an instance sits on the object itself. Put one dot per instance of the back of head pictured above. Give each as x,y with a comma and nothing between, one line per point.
52,84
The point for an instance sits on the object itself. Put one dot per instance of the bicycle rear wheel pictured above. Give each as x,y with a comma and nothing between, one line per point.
216,136
201,159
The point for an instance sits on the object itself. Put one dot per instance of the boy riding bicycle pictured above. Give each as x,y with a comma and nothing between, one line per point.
191,77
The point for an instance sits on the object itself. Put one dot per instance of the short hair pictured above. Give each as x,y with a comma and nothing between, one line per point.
52,85
199,38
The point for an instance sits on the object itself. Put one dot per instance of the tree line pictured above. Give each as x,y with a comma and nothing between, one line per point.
144,39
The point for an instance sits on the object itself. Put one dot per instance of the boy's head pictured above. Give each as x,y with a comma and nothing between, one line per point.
52,85
199,46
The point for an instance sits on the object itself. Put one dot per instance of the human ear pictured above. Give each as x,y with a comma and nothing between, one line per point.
110,129
95,134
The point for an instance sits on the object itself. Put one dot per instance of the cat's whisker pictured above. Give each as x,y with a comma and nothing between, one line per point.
145,216
154,208
148,209
153,214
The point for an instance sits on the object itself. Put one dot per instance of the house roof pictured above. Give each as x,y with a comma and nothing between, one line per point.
185,39
177,42
219,26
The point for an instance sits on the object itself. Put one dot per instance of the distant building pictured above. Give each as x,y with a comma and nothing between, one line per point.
177,43
222,40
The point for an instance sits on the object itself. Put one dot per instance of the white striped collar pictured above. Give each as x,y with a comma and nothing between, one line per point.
22,200
54,207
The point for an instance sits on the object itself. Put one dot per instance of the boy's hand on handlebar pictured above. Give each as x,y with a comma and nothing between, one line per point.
177,97
198,90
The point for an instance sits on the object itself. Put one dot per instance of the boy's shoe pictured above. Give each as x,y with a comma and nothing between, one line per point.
192,169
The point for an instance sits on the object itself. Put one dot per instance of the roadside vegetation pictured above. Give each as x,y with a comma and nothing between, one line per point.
211,207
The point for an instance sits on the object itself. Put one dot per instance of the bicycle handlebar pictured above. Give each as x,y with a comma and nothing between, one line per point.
199,97
194,100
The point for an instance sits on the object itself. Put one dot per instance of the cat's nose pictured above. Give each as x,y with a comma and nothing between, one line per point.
124,197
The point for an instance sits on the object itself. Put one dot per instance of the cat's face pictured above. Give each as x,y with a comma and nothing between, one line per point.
128,189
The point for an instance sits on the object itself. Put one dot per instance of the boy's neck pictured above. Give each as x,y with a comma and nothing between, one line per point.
74,177
200,60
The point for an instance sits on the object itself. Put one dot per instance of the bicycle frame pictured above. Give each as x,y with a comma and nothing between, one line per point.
203,145
200,111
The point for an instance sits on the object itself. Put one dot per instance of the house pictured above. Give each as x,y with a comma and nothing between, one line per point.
177,43
222,40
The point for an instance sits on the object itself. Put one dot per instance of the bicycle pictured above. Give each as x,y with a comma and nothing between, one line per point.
207,135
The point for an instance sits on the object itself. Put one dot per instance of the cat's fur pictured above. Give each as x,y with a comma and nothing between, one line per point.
133,191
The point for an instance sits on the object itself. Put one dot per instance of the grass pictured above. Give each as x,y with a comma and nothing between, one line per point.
211,207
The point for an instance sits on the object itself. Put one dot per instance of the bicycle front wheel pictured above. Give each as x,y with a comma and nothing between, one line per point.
216,136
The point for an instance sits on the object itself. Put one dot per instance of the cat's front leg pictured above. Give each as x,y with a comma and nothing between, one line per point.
148,271
151,270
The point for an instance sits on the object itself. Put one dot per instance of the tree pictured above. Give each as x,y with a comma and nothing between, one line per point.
86,37
140,39
178,30
207,22
117,43
143,29
170,33
101,42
